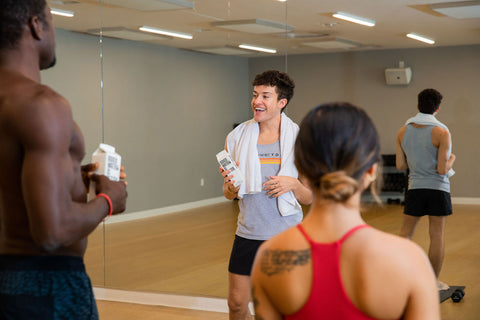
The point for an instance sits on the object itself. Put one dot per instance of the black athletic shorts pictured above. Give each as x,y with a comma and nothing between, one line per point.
243,255
421,202
45,288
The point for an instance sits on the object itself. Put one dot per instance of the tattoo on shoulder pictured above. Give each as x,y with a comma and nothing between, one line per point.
277,261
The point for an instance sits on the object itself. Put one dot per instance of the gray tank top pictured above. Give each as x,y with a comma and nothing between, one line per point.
259,218
422,160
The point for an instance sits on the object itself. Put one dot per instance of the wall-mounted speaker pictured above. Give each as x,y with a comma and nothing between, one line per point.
398,76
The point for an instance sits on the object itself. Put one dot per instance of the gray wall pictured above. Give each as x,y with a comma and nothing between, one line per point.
358,77
167,111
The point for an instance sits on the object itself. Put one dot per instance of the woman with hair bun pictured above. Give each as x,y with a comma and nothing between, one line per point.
333,265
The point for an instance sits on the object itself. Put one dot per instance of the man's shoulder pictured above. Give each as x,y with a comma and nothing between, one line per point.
440,131
21,92
29,107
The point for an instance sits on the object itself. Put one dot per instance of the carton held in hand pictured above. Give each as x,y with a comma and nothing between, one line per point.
109,165
227,163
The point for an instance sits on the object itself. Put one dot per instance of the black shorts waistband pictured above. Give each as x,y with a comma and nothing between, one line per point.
41,263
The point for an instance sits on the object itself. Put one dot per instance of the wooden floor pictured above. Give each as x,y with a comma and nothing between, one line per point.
108,310
187,253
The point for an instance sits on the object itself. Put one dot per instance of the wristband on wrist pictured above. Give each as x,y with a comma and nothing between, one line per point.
109,201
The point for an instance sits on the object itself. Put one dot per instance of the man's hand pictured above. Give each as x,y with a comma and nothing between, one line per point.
88,170
116,190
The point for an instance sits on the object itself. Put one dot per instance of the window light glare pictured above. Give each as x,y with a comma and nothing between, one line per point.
418,37
255,48
167,32
63,13
354,19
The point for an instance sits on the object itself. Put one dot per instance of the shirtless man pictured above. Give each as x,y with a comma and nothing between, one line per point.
44,216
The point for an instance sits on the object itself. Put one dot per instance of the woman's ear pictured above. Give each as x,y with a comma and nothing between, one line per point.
370,175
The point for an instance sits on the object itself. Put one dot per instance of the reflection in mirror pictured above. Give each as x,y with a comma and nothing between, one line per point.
77,77
151,94
169,103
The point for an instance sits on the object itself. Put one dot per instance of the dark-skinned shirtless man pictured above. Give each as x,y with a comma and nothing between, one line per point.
44,216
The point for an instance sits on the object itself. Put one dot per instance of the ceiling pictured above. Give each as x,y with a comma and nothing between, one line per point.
304,24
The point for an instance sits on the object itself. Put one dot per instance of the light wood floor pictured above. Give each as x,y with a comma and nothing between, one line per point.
187,253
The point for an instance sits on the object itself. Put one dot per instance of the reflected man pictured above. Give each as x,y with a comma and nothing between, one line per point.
423,146
270,195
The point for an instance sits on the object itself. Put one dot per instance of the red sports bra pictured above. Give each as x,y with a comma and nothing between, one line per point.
328,299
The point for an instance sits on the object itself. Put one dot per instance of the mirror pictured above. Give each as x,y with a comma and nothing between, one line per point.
168,106
167,112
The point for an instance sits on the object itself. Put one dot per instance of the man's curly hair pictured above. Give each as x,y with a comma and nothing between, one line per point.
281,81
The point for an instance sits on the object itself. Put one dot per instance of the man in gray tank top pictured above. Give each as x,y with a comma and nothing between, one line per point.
268,197
423,146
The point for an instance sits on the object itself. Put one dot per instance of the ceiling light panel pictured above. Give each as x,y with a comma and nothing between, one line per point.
127,34
257,48
63,13
169,33
253,26
459,10
421,38
354,19
151,5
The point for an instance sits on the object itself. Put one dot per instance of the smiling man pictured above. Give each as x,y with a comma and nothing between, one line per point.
270,195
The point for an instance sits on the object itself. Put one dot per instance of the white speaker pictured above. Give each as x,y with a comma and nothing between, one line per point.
398,76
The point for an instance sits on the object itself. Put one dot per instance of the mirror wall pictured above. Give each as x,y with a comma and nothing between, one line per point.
168,110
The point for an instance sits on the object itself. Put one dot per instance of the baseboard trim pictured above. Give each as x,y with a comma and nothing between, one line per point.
164,300
465,200
212,201
165,210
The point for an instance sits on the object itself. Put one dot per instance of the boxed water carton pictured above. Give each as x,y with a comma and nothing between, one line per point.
109,165
227,163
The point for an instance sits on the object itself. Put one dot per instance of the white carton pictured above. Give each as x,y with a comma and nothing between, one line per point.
227,163
109,165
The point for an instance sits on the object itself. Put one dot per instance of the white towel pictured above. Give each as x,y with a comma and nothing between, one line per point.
426,119
242,146
430,120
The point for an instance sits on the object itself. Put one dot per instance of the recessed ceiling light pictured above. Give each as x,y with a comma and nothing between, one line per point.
256,48
63,13
354,19
167,32
421,38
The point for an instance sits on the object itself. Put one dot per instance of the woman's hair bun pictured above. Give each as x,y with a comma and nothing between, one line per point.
338,186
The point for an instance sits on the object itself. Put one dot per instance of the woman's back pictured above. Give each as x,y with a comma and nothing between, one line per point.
328,268
380,276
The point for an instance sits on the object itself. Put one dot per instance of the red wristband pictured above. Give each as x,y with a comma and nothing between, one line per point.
110,206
